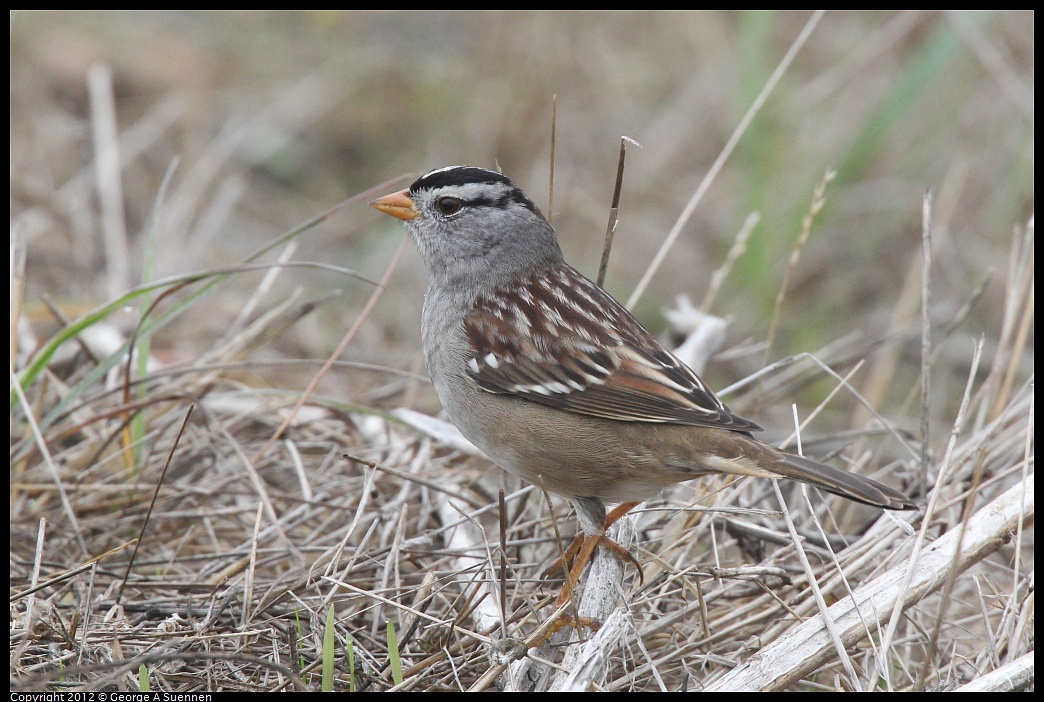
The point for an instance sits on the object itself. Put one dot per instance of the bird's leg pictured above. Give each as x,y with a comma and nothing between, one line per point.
593,523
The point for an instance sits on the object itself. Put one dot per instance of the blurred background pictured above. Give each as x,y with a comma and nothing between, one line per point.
264,120
174,146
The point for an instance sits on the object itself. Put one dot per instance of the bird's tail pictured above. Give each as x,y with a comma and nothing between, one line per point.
839,482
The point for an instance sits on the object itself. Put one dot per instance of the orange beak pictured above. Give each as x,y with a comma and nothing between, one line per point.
398,205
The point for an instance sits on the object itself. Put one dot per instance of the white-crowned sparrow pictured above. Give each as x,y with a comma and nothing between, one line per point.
556,381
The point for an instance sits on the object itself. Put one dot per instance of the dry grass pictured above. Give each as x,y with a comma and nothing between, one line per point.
186,512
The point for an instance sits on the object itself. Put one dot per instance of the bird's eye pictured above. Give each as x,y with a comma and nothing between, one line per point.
449,205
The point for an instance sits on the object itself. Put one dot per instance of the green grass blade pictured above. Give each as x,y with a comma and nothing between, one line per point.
350,645
393,654
329,646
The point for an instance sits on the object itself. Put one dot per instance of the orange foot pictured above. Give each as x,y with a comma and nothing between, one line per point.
583,547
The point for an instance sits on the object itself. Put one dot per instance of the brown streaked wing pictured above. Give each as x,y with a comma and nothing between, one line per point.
558,339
